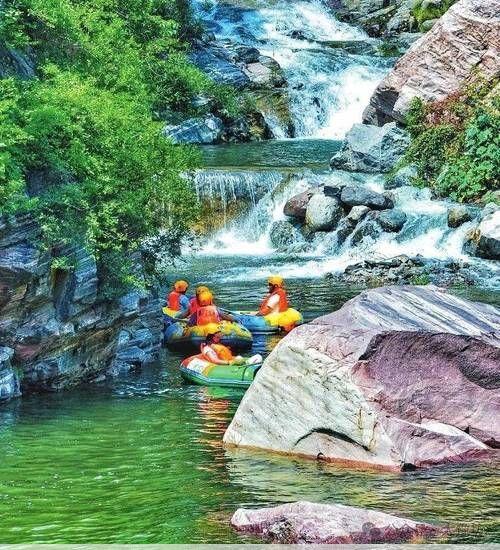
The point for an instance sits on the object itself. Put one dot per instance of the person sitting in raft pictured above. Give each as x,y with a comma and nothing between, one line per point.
194,302
207,312
177,303
276,304
219,354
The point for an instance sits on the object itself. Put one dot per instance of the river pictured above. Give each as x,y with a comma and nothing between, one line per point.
139,459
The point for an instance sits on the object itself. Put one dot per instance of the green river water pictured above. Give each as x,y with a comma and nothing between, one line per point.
140,459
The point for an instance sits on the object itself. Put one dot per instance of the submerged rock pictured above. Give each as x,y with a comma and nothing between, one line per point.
283,234
391,220
398,378
462,44
307,522
323,213
371,148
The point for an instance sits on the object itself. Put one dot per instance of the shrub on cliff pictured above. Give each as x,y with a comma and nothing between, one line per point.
80,145
456,142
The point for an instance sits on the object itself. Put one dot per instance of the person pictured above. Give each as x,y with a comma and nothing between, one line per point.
277,300
214,352
177,301
194,303
207,312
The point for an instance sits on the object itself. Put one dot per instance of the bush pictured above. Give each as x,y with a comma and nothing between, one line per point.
423,11
86,125
456,142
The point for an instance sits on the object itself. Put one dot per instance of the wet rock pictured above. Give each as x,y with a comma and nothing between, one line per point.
204,130
403,177
215,61
371,149
463,43
283,234
355,196
9,381
14,63
398,378
307,522
367,228
323,213
391,220
460,214
484,241
296,206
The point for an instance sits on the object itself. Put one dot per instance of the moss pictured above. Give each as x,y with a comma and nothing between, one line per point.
423,11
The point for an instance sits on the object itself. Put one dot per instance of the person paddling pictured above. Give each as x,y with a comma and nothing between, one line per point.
194,302
214,352
177,301
207,312
277,300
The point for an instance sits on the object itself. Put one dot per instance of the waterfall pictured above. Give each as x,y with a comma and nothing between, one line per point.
328,88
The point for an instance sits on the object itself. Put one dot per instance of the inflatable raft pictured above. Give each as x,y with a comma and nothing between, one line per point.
199,371
268,324
181,335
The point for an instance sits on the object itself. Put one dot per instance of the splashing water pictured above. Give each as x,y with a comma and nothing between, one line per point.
327,88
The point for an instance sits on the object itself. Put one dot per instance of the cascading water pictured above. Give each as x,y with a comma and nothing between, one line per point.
328,88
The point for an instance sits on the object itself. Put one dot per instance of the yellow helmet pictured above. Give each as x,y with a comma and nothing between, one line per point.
276,280
200,289
206,298
180,286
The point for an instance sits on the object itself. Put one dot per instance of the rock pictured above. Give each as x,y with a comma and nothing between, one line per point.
403,177
215,61
367,228
427,25
56,328
488,237
371,149
283,235
296,206
323,213
460,214
357,213
398,378
465,42
9,381
205,130
307,522
356,196
391,220
14,63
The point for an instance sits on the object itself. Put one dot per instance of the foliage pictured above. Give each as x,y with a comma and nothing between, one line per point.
424,11
86,125
420,280
456,142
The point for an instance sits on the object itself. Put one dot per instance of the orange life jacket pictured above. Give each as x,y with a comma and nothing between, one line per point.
193,305
223,352
283,302
174,301
207,314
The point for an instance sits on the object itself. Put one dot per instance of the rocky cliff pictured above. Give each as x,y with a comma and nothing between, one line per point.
55,331
398,378
465,42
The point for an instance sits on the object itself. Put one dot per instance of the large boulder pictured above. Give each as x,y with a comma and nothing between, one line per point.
459,214
308,522
398,378
371,149
463,43
323,213
356,196
391,220
205,130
